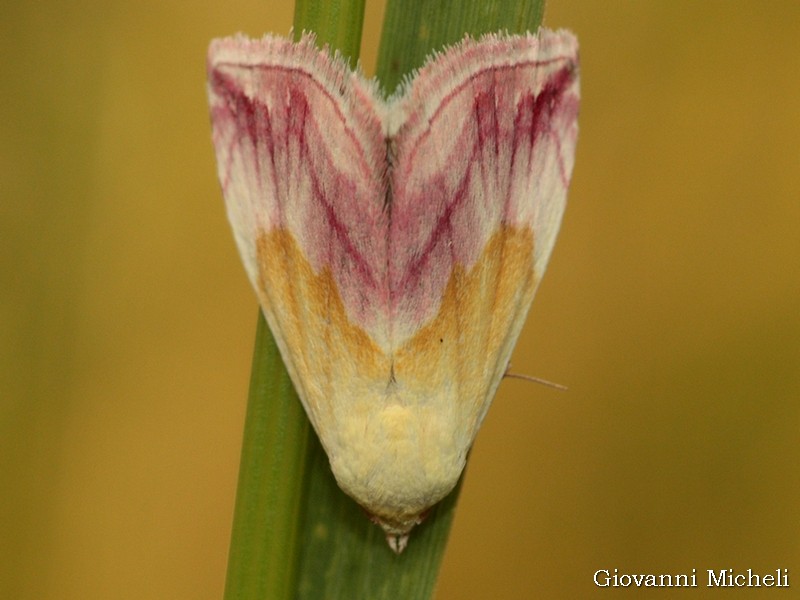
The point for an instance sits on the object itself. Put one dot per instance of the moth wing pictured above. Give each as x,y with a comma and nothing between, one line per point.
395,319
301,160
485,140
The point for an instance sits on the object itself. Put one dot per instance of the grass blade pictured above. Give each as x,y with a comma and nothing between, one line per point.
262,560
412,29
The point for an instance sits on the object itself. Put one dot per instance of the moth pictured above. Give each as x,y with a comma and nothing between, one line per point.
395,245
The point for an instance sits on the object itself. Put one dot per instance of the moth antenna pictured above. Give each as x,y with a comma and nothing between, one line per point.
533,379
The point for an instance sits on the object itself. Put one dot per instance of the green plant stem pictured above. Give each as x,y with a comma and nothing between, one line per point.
262,558
337,23
412,29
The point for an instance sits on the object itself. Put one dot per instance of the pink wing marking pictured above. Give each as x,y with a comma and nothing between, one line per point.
301,149
483,135
482,147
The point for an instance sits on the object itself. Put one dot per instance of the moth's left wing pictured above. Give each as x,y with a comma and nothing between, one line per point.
484,139
301,159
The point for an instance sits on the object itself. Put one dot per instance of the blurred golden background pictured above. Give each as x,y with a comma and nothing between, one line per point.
671,309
